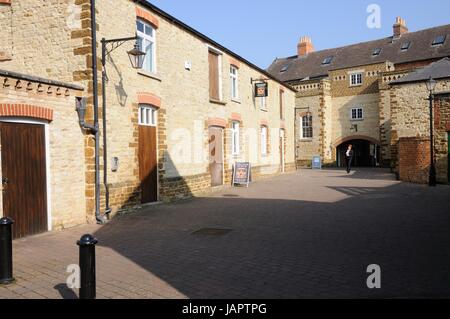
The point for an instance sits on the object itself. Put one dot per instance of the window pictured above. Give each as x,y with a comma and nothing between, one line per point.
146,42
327,60
306,131
405,46
356,79
214,76
263,103
440,39
234,82
357,114
235,138
147,115
281,104
284,68
377,52
264,140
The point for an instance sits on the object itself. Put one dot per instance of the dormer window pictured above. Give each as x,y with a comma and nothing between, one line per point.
376,52
405,45
327,60
439,40
284,68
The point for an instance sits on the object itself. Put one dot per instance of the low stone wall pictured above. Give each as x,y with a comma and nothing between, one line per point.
414,159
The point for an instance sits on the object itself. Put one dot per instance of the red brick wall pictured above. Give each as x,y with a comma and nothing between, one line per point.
414,159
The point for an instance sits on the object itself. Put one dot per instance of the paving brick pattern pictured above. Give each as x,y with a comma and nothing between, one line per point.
301,235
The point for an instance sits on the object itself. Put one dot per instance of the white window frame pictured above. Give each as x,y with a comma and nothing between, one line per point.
302,127
219,62
234,82
356,78
151,39
263,103
357,110
143,115
264,140
235,138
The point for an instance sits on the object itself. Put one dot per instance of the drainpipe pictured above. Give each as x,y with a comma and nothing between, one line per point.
98,216
105,141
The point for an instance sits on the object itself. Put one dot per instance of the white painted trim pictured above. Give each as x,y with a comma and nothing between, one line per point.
211,48
47,159
150,39
145,122
302,138
357,109
356,73
233,139
234,77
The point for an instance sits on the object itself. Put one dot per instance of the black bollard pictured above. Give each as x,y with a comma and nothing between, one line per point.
6,257
87,267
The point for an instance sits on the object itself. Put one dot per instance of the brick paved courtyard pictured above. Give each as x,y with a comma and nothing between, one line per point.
307,234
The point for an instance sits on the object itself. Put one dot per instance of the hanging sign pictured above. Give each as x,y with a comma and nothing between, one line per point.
261,89
242,174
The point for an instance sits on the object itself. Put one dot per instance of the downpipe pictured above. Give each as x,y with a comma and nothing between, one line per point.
99,217
105,140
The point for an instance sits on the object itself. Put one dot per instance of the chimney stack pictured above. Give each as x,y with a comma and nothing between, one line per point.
305,46
400,27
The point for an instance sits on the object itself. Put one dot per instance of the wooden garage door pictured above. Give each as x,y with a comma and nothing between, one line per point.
24,181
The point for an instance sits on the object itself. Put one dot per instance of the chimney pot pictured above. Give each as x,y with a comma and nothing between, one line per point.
400,27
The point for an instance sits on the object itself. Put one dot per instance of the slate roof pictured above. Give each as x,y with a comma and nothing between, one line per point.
360,54
436,70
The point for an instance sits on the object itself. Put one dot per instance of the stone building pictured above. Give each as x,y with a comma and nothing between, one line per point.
344,93
174,128
410,123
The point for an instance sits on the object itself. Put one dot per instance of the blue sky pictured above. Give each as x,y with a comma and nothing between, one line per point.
262,30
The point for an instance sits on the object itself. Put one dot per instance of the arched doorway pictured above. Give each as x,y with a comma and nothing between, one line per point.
366,152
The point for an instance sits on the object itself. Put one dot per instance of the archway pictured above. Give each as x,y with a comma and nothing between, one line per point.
366,151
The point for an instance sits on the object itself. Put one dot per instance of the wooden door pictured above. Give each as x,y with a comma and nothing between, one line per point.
216,155
148,164
214,91
24,177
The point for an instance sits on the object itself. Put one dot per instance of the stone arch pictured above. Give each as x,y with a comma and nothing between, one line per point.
341,140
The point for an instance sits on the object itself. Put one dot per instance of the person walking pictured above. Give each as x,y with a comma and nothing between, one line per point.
349,158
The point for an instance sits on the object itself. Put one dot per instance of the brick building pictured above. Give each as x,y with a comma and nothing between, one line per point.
344,93
174,127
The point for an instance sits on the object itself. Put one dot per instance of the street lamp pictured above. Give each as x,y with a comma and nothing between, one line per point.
137,58
431,85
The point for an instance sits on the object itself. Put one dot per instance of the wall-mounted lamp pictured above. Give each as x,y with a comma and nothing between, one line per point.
136,57
81,109
354,128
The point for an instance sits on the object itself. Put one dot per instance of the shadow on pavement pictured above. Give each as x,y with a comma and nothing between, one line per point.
65,292
294,249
